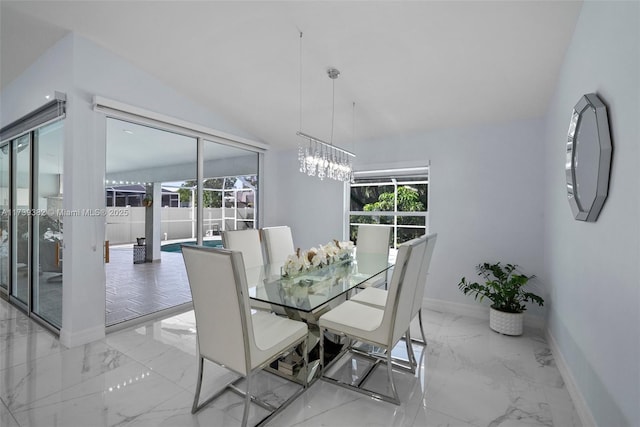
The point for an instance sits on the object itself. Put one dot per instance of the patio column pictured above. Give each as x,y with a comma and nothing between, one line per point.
152,225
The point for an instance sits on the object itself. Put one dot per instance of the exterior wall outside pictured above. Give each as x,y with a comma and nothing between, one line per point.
592,268
176,223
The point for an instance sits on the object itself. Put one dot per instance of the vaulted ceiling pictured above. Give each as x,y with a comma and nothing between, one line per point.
406,66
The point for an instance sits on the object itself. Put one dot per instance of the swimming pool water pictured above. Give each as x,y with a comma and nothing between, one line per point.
175,247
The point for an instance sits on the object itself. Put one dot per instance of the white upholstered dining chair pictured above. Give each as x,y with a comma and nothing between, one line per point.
247,242
278,243
227,333
378,297
382,327
372,239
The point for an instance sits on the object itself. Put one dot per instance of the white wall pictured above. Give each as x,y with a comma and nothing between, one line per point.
53,71
312,208
486,198
593,268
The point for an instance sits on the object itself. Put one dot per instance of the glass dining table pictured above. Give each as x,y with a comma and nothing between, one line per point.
313,290
308,295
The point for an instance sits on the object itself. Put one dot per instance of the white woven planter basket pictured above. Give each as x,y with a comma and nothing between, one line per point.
506,323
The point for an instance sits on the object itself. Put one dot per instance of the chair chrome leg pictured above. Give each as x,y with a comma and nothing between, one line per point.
410,354
390,374
359,385
321,352
421,327
194,408
305,362
247,401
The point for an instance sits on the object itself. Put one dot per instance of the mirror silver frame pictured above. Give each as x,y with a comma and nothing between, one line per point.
589,135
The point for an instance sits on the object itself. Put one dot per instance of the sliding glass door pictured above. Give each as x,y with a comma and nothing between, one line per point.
152,191
46,239
5,174
20,213
31,152
30,221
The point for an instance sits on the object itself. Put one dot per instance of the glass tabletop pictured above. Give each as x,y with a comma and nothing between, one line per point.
310,290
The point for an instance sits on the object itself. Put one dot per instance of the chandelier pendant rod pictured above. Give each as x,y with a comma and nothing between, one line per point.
300,88
321,158
324,143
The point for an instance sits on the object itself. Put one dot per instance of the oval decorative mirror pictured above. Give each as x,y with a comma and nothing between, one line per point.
588,158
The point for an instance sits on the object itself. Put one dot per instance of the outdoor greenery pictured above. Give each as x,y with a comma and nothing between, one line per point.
408,201
381,198
502,287
212,199
368,194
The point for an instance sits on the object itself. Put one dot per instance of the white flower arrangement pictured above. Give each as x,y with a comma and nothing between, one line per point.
315,258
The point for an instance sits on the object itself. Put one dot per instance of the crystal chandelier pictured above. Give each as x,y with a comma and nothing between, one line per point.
324,160
320,158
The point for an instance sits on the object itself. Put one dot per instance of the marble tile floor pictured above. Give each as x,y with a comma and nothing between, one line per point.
145,376
134,290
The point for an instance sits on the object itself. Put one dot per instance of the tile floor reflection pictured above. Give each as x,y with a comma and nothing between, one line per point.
145,376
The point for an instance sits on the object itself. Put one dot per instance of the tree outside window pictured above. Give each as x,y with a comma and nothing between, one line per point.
399,202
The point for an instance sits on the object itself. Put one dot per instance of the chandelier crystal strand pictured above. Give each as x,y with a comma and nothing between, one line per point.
310,164
308,158
321,163
323,160
320,158
301,158
332,164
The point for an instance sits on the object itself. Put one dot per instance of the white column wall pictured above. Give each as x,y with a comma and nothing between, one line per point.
83,268
593,269
153,228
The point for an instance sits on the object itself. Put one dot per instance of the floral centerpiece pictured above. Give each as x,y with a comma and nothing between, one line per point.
315,258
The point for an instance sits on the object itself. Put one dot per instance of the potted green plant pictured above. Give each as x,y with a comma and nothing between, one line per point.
504,288
147,201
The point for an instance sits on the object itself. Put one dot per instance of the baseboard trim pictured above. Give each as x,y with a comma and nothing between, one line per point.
586,417
89,335
482,312
74,339
137,321
478,311
472,310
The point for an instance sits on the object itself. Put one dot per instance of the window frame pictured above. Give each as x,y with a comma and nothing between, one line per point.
389,177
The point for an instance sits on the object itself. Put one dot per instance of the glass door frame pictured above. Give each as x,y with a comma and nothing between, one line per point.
5,222
15,213
203,135
29,124
18,214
